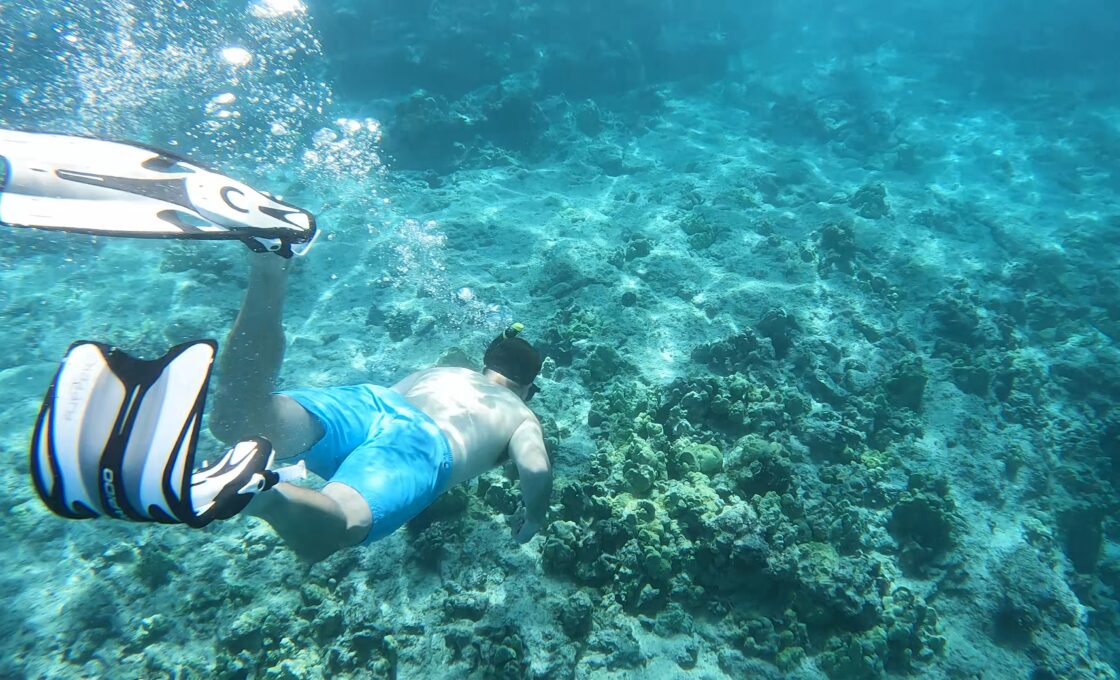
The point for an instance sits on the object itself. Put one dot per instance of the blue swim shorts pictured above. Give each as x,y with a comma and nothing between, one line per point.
380,445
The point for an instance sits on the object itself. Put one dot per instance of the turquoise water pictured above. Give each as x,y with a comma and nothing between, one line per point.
828,291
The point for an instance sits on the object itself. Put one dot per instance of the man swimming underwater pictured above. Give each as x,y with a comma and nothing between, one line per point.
116,436
388,452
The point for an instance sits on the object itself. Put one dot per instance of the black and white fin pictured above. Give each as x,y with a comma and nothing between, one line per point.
222,490
116,437
94,186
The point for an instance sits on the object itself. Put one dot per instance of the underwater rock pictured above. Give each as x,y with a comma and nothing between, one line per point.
430,545
703,232
780,327
730,407
372,650
511,117
1083,535
693,505
565,332
870,201
923,522
855,657
642,465
457,357
734,354
736,555
588,118
735,665
155,566
489,651
824,389
836,247
400,323
971,379
827,436
619,648
780,639
830,592
587,501
450,506
913,632
471,606
249,631
425,133
906,384
576,553
1037,612
499,494
575,615
634,248
601,364
956,312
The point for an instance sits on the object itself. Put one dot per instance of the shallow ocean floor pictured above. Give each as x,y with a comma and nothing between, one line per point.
831,391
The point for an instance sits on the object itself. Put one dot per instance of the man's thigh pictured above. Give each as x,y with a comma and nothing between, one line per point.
289,426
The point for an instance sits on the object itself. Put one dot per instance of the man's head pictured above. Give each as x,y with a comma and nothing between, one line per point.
514,359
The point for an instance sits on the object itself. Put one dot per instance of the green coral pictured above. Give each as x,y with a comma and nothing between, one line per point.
781,639
757,466
642,465
687,456
907,637
571,550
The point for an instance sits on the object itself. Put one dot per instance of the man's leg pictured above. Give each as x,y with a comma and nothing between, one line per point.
314,524
244,404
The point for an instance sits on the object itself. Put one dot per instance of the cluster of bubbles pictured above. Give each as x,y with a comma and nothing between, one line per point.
240,87
341,159
418,261
216,81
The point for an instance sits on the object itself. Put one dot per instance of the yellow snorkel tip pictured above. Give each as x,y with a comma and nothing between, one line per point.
513,330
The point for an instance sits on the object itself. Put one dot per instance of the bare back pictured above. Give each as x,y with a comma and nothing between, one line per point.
478,416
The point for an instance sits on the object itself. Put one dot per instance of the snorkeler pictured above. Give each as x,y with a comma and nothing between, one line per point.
116,436
387,451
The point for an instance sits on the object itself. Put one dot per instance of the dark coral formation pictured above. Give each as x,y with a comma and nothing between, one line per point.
701,502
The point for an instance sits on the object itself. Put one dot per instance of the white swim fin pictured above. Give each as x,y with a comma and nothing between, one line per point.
116,437
93,186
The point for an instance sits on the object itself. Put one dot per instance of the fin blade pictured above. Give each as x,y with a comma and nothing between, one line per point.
116,435
94,186
161,444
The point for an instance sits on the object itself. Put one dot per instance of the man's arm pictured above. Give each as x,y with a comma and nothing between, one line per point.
526,450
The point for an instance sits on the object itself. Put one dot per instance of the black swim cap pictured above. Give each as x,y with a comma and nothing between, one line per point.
513,357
